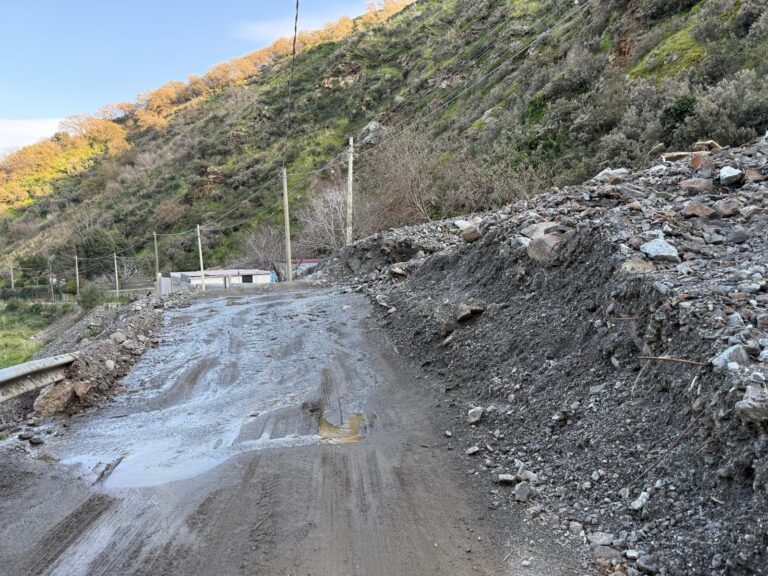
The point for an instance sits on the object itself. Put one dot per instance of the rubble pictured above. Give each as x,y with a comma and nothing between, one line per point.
626,362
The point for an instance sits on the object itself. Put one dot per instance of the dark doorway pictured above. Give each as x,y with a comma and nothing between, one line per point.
248,279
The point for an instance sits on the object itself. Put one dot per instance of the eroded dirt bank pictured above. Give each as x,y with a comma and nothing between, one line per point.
604,350
277,433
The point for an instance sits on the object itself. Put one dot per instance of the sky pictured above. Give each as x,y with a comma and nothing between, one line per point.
63,57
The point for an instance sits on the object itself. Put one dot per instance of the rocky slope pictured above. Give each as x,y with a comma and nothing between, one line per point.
604,348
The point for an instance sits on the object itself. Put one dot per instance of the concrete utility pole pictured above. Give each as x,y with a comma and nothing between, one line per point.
117,279
13,280
287,216
350,184
200,253
157,267
77,277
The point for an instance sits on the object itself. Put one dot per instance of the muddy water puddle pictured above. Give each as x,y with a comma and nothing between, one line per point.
198,399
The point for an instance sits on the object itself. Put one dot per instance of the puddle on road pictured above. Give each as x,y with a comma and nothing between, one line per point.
349,433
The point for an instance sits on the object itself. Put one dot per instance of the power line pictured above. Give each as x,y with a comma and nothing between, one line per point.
290,86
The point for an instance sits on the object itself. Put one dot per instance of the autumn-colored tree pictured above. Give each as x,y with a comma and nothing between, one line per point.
115,111
148,120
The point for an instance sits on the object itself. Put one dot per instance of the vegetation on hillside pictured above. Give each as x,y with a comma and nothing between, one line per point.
19,323
506,109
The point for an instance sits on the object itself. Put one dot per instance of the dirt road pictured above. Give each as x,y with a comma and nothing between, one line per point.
273,434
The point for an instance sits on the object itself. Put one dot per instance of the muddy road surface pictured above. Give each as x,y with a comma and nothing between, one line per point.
275,433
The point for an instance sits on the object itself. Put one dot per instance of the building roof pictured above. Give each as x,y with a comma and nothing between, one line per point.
224,272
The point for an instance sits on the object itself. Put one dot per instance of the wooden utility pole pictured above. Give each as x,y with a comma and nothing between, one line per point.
50,279
287,216
77,277
200,253
13,280
117,280
350,182
157,267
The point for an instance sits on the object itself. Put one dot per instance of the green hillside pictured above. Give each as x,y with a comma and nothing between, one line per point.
514,96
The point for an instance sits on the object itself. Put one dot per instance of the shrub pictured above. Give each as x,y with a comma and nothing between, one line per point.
91,296
674,115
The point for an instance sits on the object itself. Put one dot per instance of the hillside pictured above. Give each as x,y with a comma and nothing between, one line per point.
514,96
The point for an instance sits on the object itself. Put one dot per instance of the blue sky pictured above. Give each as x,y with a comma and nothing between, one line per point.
62,57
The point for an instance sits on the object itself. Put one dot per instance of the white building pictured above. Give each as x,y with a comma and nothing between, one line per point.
215,279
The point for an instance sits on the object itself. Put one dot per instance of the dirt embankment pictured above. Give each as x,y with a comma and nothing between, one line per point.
604,348
108,341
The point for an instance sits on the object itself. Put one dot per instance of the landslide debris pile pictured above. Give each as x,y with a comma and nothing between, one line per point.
108,341
605,350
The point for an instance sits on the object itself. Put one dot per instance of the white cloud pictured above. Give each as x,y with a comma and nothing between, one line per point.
265,32
18,133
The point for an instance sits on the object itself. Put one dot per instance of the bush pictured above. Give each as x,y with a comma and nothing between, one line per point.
91,296
674,115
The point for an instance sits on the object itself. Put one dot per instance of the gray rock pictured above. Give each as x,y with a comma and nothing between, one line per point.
613,176
738,236
660,250
734,355
544,248
472,450
539,230
640,502
372,133
696,185
130,344
754,405
735,321
524,492
606,554
463,313
647,564
508,479
109,364
470,233
601,538
730,176
475,415
575,528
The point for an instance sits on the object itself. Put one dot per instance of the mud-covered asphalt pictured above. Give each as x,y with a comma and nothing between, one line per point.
274,433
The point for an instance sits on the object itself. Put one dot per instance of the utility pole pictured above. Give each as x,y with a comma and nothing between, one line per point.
77,277
157,267
50,279
350,182
200,252
287,216
13,281
117,280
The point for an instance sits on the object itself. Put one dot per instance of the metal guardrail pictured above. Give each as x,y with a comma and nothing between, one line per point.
23,378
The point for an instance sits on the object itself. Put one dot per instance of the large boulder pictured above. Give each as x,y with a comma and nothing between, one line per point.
372,134
54,398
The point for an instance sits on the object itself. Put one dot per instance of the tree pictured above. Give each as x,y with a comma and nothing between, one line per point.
265,249
322,221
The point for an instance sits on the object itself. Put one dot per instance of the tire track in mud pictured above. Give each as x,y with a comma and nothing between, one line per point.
59,538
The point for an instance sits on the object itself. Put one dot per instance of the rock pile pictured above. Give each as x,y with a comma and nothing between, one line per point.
109,340
618,354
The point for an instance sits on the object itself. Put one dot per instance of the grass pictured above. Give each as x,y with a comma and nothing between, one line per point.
19,323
